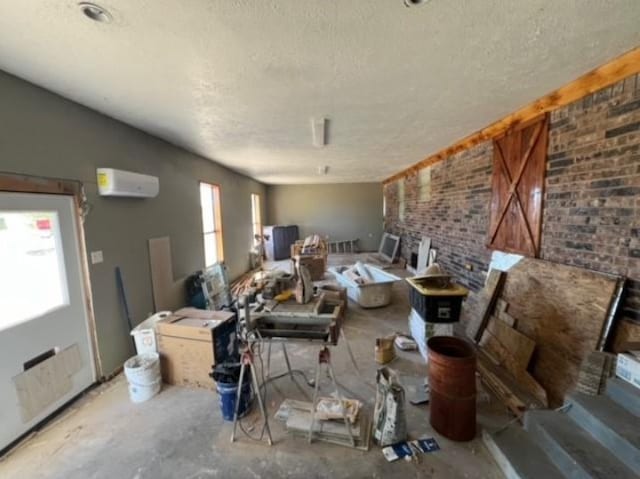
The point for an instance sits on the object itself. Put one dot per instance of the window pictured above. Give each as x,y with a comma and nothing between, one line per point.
211,223
424,181
256,217
401,200
30,250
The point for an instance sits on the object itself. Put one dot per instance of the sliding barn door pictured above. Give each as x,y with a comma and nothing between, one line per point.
519,160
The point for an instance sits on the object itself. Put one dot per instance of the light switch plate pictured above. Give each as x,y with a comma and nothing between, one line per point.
96,257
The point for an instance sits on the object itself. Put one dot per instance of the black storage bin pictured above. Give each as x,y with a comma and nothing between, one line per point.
436,309
280,239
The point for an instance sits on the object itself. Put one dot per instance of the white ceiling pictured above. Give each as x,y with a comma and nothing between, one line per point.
237,81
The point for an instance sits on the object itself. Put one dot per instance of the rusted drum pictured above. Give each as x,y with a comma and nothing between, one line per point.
452,384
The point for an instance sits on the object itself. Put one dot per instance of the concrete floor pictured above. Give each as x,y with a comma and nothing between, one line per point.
180,432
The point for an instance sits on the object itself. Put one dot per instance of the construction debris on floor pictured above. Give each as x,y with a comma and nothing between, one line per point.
529,354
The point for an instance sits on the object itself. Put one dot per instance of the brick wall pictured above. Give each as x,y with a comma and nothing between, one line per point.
591,210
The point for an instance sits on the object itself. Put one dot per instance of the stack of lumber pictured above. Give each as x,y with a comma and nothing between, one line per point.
535,331
503,358
596,368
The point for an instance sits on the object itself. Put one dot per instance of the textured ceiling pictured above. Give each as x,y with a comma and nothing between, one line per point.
238,81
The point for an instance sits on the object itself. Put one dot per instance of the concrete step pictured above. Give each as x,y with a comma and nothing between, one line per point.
572,449
518,456
611,424
625,394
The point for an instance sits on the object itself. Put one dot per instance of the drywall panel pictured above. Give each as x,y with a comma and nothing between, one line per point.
46,382
46,135
340,211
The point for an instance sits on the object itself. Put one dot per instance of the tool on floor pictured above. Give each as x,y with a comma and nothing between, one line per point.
246,359
123,298
324,357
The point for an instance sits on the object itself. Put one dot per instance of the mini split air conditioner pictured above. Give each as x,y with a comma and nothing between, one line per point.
126,183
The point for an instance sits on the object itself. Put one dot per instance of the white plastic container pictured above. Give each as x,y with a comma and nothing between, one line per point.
144,334
143,374
370,295
421,331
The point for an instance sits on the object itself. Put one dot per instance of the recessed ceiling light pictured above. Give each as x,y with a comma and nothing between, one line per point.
95,12
414,3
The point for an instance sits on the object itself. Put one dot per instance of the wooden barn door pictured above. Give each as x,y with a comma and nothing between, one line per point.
519,160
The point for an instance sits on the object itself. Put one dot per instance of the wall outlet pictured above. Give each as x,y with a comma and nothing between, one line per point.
96,257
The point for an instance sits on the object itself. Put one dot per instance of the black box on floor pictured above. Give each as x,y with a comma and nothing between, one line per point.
437,305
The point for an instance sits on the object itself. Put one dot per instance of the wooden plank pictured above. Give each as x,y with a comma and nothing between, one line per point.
514,342
477,311
514,362
505,387
562,309
507,319
597,79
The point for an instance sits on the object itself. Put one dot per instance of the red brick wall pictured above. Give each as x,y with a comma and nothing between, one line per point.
591,210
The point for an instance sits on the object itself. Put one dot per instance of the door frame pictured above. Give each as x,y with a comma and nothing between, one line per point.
15,183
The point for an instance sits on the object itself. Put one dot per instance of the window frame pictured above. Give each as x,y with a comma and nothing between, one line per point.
217,221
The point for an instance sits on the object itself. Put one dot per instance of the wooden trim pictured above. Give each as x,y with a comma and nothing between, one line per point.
15,183
603,76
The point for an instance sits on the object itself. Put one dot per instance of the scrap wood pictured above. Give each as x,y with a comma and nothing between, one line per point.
480,308
596,368
511,350
505,387
564,309
507,318
499,337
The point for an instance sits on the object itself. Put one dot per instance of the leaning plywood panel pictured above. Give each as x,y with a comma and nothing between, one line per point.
563,310
168,294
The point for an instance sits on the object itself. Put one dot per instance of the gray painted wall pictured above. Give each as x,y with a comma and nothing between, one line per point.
341,211
46,135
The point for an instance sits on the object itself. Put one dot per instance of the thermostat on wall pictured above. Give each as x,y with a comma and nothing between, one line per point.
113,182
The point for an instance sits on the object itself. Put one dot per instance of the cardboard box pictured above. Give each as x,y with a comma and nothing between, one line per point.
628,367
316,264
191,341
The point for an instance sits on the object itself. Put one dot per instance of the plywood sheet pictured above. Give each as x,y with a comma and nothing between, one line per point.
562,309
42,385
168,294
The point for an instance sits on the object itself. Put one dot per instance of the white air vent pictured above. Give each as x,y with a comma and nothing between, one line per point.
126,183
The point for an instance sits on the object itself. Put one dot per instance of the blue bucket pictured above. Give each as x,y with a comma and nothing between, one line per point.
227,395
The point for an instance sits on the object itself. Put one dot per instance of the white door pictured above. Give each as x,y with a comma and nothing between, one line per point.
45,353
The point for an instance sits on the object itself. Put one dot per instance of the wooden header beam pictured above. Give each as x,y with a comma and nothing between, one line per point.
603,76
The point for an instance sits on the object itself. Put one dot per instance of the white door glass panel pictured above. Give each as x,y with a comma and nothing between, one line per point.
32,277
46,357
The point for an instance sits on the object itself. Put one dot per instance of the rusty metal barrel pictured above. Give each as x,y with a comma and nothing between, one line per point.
452,385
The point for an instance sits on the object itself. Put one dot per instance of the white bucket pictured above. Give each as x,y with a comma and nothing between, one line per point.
143,373
144,334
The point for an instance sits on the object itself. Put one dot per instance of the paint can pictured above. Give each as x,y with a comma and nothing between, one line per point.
143,374
227,393
452,383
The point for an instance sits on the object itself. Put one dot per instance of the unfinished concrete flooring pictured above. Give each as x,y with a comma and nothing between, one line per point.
180,432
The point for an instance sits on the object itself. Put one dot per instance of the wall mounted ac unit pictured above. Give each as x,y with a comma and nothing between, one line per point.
126,183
